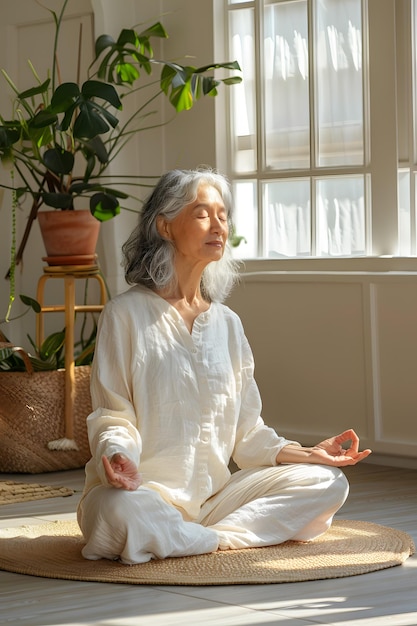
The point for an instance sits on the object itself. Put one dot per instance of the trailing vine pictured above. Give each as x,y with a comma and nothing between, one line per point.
12,287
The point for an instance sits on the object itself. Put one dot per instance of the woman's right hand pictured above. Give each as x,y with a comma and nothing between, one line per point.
121,472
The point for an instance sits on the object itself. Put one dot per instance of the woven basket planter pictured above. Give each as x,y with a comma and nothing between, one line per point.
32,414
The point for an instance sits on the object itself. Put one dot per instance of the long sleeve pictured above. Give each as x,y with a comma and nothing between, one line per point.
112,425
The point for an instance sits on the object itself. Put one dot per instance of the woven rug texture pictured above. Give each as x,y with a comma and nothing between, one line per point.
349,548
13,492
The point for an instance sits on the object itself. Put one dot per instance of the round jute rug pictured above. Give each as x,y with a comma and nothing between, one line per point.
53,550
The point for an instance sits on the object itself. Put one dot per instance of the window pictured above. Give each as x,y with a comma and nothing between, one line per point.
319,164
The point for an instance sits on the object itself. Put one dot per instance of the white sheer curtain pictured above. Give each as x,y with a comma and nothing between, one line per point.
288,230
285,114
341,227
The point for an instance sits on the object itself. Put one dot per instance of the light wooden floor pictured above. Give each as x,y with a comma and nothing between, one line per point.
379,494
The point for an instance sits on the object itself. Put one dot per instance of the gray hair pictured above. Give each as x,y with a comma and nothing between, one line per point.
149,258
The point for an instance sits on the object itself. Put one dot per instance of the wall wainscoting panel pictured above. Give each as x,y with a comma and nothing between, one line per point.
335,350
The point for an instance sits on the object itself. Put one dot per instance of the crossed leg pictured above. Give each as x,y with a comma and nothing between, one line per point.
257,507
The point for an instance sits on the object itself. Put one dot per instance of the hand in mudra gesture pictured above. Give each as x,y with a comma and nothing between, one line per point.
121,472
331,451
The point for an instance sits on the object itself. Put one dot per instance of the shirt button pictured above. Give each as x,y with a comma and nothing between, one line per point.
194,350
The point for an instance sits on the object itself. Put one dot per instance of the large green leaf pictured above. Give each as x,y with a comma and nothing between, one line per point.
127,72
8,136
103,42
172,76
59,161
11,361
232,80
43,365
82,186
109,117
89,123
92,119
123,57
34,304
5,353
96,147
57,200
184,85
64,96
104,91
43,118
34,91
37,131
104,206
156,30
52,345
127,35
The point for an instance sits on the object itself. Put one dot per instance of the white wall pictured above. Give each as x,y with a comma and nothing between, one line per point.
335,349
190,140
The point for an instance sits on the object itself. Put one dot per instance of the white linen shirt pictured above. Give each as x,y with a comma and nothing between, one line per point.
179,404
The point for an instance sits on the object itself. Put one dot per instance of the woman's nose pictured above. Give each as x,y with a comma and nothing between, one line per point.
217,225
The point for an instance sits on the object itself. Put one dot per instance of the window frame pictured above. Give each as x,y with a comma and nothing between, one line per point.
381,163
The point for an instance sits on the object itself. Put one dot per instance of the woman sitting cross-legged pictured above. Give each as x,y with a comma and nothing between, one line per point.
174,400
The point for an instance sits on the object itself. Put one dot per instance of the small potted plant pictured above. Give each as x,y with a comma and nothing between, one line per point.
61,138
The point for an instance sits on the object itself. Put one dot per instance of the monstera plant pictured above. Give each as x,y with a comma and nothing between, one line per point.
60,139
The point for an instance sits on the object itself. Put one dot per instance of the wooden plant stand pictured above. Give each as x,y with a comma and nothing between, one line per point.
69,274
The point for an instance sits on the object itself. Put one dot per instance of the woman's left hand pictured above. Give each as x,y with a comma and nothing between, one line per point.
331,451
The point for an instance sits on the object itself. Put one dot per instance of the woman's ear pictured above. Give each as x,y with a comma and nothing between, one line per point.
163,227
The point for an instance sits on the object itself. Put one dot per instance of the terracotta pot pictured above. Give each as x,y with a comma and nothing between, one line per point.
69,237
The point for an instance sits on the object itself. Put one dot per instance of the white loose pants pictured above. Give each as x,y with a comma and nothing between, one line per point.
257,507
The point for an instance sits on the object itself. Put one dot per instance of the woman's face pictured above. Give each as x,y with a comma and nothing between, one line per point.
200,231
